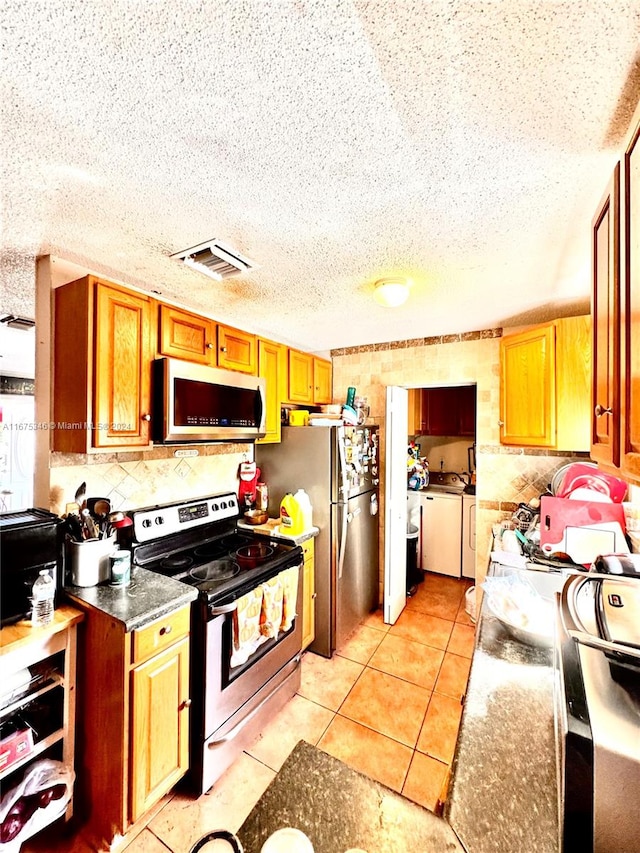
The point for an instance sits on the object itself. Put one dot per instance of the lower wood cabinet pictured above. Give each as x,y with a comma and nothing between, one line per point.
134,718
308,595
159,747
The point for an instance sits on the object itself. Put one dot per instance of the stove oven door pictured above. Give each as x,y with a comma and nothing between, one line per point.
235,702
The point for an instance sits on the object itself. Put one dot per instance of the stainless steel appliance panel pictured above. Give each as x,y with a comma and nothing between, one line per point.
356,589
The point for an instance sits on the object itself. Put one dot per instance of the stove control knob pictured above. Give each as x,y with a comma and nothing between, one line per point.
159,519
214,507
223,504
146,522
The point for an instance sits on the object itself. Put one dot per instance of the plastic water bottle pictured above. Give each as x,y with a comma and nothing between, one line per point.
44,590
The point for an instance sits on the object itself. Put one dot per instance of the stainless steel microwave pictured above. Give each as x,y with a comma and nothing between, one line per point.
192,402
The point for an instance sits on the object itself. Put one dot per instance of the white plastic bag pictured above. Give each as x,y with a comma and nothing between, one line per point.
40,798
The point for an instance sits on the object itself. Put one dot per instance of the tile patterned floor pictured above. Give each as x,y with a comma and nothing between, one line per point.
388,704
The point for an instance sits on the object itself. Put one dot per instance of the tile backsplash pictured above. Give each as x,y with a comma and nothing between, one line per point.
141,479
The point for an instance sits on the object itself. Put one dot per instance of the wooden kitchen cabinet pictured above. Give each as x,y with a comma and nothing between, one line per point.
544,385
159,746
101,373
300,386
272,366
449,410
134,731
605,252
237,350
185,335
615,425
308,595
322,384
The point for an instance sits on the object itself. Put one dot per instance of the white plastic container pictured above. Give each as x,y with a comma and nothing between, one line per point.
89,561
470,603
43,592
305,505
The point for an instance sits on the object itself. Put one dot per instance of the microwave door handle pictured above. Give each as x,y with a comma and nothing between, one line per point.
258,407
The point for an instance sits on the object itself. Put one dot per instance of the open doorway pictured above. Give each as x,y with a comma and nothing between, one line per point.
17,416
442,480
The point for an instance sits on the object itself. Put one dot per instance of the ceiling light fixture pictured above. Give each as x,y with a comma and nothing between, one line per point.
391,292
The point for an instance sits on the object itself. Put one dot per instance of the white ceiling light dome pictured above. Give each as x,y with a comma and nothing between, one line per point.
391,292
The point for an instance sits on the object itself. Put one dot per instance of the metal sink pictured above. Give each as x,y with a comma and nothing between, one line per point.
447,481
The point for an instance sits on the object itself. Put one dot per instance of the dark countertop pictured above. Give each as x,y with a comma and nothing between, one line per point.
339,808
148,597
503,797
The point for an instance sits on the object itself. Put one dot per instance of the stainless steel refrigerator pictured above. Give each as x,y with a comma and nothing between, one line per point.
338,467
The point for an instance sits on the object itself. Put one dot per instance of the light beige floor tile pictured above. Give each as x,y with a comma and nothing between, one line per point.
407,659
425,780
462,640
327,681
388,705
376,620
300,719
361,644
430,630
146,842
373,754
186,819
453,677
440,728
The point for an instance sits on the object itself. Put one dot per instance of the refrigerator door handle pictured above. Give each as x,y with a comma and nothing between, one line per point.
344,479
342,546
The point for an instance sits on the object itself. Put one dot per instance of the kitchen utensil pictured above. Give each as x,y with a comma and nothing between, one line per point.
90,528
558,513
233,842
250,556
256,516
80,495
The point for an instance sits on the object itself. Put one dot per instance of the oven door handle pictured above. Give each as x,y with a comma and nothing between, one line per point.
232,733
222,609
603,645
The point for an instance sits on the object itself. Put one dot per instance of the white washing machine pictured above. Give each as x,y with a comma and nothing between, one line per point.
441,532
468,536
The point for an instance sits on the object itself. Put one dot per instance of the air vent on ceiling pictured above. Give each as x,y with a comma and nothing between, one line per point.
14,322
215,259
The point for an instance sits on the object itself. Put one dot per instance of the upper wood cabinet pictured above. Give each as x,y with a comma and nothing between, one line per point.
605,254
442,411
300,377
185,335
615,426
101,377
237,350
272,366
544,387
322,381
630,312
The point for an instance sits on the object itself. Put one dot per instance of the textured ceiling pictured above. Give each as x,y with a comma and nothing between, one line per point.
333,142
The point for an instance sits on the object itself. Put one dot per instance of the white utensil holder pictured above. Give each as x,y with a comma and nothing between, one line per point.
89,561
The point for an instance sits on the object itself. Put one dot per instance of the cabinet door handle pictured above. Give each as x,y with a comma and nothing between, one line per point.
146,417
599,411
500,423
223,349
185,704
209,346
166,629
314,595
